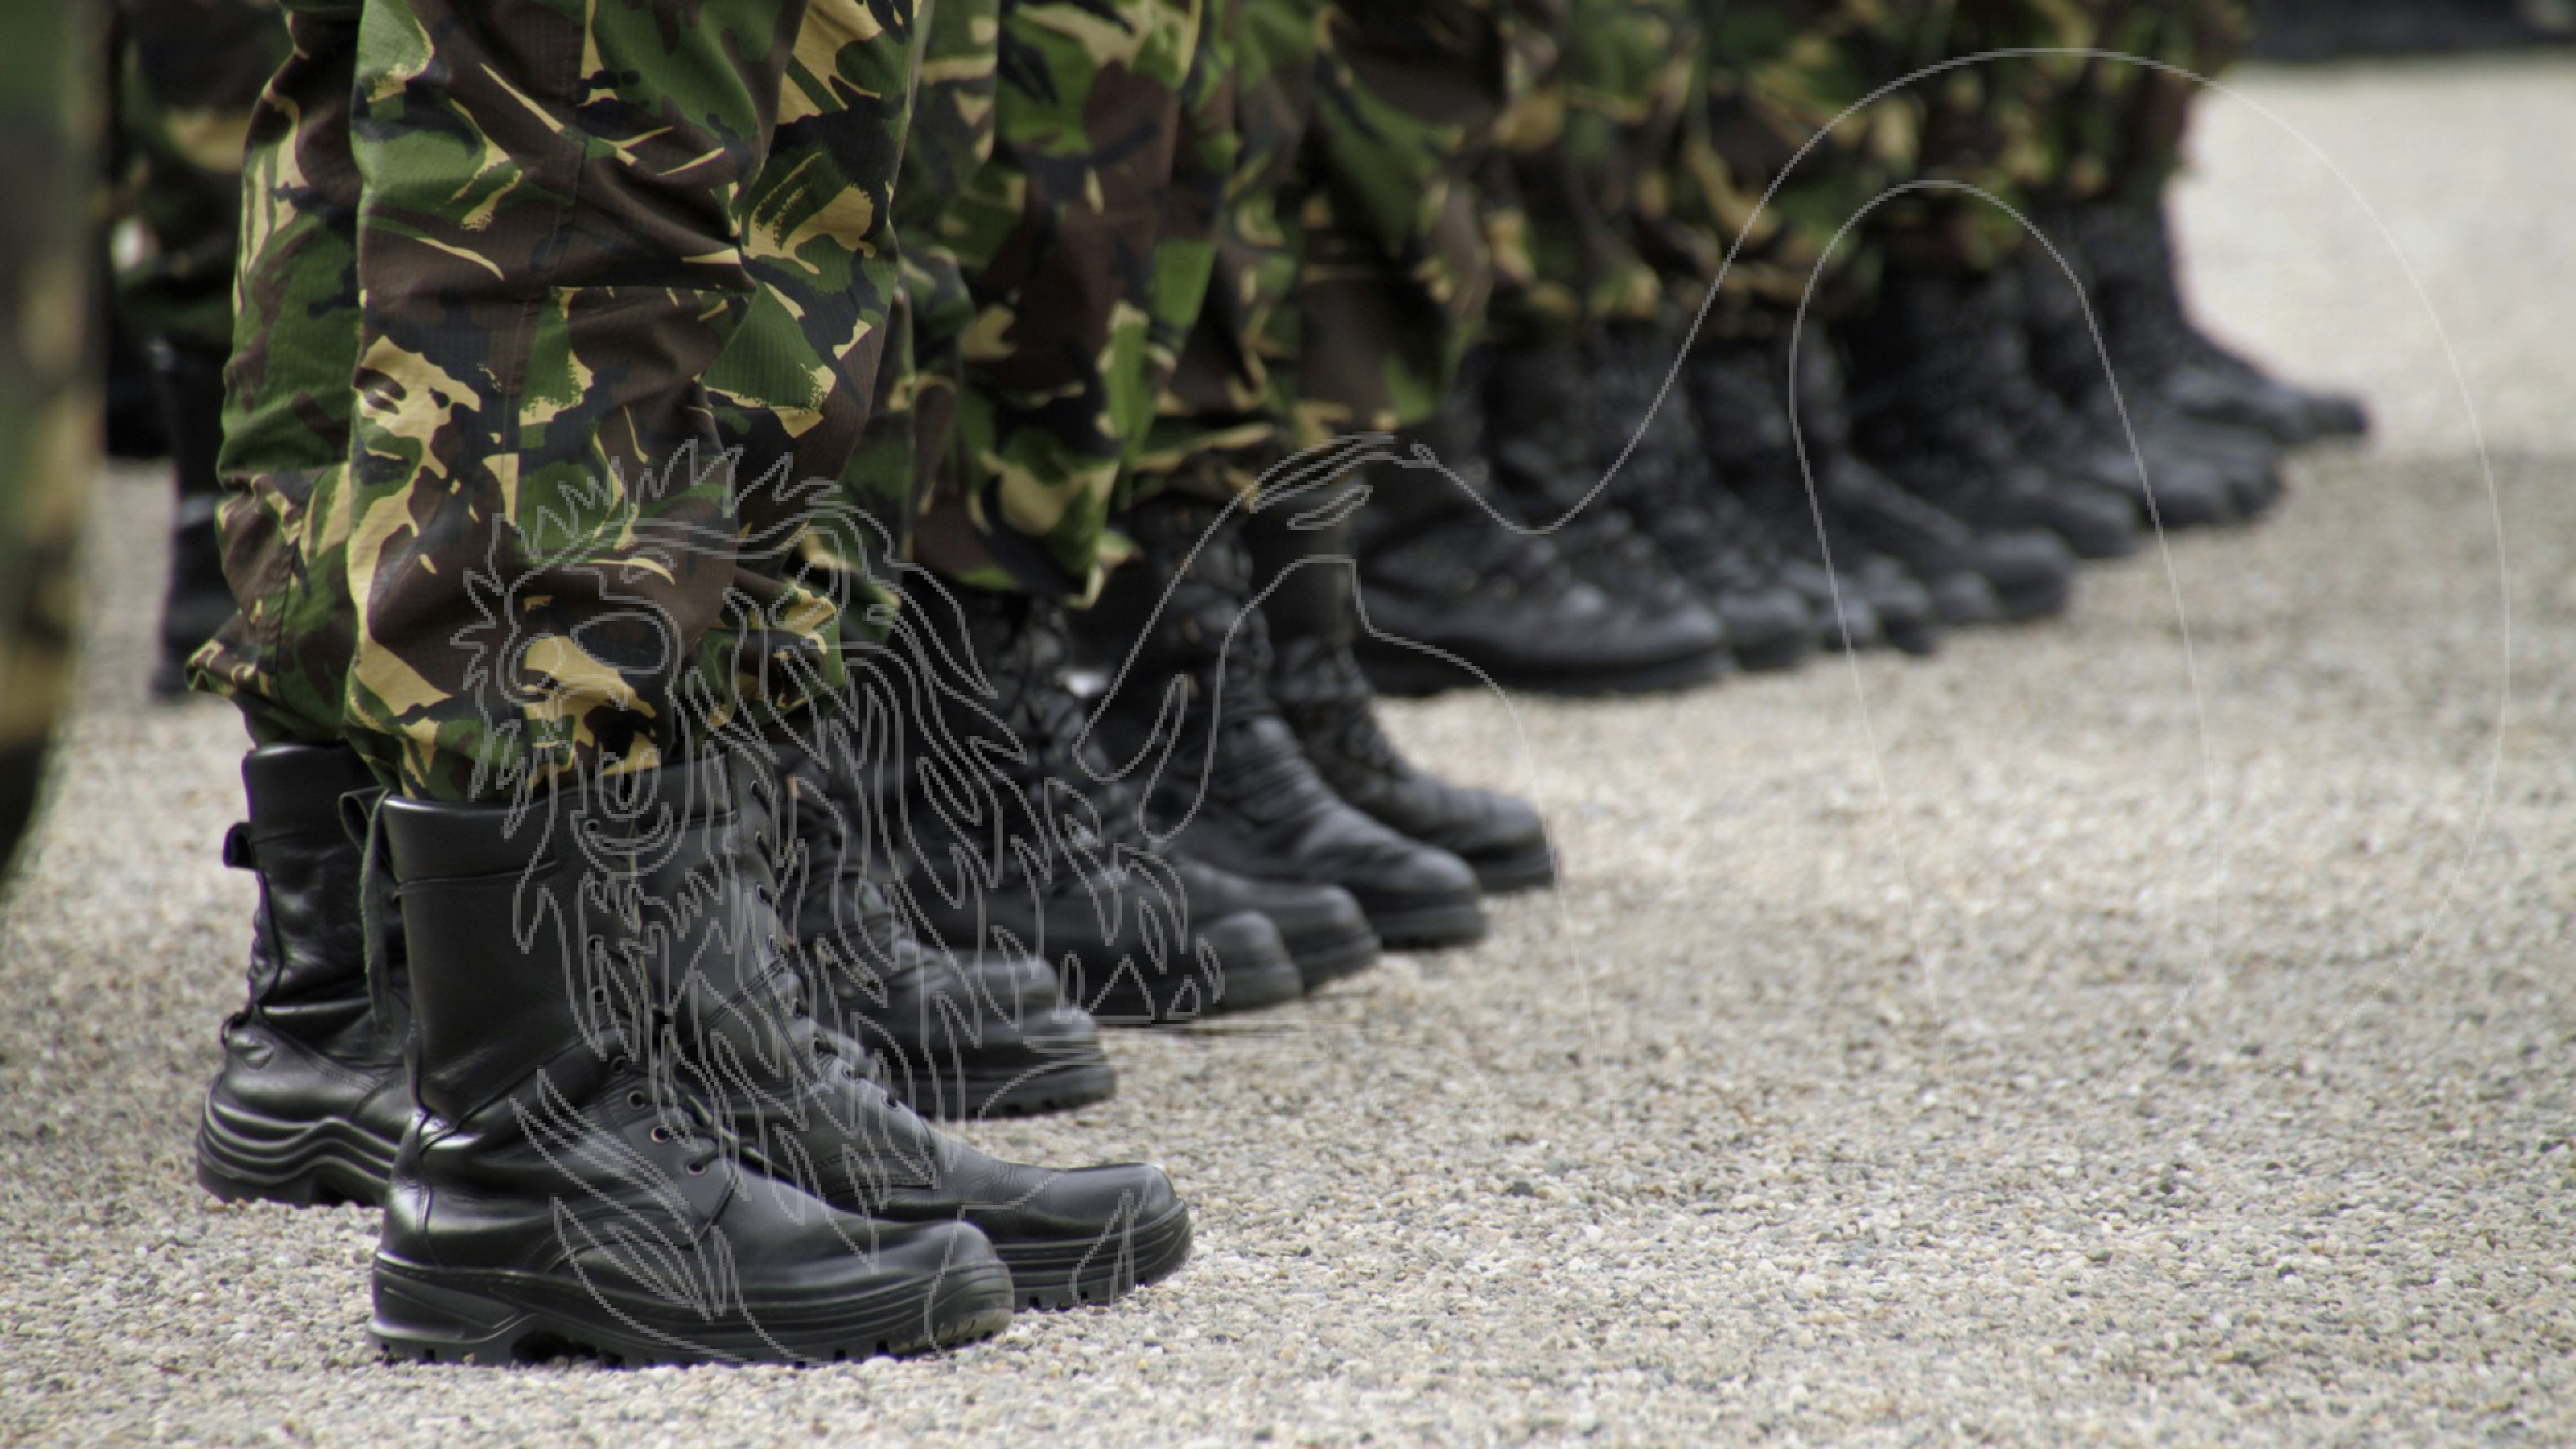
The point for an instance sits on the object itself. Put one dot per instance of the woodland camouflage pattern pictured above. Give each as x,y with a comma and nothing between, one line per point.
1055,239
49,417
187,75
2027,129
1582,219
1351,272
1182,185
605,318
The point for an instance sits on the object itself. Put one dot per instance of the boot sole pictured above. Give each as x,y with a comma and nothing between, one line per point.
1320,964
1408,675
1049,1276
2027,605
1035,1092
1183,997
244,1157
2098,545
431,1316
1429,927
1786,652
1531,869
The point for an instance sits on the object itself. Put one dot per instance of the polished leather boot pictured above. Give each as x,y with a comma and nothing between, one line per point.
1227,783
1453,596
802,1099
1647,444
311,1099
1014,837
1302,561
197,601
1933,366
564,1184
955,1033
1553,433
728,1008
1862,598
2129,251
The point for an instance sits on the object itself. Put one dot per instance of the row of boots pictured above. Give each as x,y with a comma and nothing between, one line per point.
1632,512
641,1068
614,1097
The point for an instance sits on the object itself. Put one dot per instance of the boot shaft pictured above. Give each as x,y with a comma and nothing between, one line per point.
1540,422
309,934
1302,557
590,920
1183,608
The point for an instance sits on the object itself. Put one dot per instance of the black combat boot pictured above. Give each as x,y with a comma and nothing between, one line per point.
2178,471
1302,562
564,1185
1668,483
1015,838
1974,574
687,852
1452,596
1227,783
2129,252
136,424
1553,432
1934,366
956,1034
198,601
311,1098
1862,598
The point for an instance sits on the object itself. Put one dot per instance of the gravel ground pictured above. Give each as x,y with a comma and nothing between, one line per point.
2152,1027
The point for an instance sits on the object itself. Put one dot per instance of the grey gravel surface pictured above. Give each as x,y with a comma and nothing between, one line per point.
2156,1027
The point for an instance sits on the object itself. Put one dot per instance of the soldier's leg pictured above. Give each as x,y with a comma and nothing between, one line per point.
559,426
2115,208
189,73
1576,356
1330,144
1031,300
1944,401
48,401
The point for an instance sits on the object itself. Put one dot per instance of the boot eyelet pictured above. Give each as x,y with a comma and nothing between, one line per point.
635,1099
661,1134
697,1169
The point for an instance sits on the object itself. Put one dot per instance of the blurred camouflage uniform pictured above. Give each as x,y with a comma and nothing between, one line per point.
2022,128
187,76
48,393
2124,122
1793,154
570,255
1044,208
1351,270
1159,182
2025,128
1582,217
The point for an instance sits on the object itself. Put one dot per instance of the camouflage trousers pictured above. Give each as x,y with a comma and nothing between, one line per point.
48,391
187,75
1113,291
558,324
1818,109
1582,214
1351,270
1046,196
2122,124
